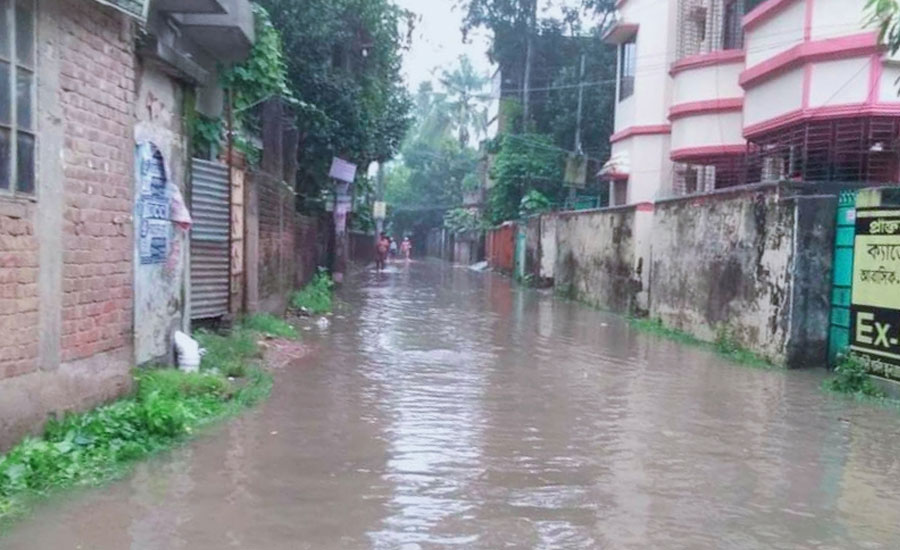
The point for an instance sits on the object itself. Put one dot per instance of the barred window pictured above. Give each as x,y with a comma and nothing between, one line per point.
17,91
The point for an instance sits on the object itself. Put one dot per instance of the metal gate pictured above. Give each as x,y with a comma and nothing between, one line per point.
210,250
839,332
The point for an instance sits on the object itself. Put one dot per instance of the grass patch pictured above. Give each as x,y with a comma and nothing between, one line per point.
317,297
851,377
269,325
725,344
164,409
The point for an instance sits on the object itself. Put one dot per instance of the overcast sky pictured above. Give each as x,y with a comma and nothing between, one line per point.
437,40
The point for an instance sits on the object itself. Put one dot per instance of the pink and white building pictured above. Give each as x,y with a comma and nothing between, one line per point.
714,93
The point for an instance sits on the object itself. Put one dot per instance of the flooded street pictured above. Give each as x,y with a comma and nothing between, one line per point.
444,408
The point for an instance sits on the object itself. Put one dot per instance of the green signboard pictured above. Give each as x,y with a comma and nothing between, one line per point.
875,309
134,8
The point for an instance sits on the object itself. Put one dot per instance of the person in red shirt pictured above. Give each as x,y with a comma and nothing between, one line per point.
381,251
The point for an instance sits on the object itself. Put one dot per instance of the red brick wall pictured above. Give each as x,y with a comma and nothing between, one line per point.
288,242
97,81
18,290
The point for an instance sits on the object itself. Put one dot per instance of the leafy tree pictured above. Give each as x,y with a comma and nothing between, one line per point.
886,15
524,163
468,111
343,63
261,76
558,44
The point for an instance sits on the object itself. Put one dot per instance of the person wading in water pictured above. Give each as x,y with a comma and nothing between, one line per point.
381,251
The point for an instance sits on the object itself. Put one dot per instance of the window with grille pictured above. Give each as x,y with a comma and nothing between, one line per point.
627,66
17,90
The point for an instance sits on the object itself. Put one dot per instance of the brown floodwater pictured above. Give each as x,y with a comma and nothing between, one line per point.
444,408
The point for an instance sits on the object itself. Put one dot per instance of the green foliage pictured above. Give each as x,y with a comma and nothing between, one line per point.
468,109
207,135
229,353
462,220
527,162
89,448
269,325
534,202
727,344
316,297
261,76
558,44
852,377
344,63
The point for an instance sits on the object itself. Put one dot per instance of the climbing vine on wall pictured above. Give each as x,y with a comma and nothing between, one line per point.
261,76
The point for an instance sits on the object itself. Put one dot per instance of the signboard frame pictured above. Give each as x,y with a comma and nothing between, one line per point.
875,301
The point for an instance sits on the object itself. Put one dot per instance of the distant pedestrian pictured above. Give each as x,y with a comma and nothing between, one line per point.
406,247
381,251
393,248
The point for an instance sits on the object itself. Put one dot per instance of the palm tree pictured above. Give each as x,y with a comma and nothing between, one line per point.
464,86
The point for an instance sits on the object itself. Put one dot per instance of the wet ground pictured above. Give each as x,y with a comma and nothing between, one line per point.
447,409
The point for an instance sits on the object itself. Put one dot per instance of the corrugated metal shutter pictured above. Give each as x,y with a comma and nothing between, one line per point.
210,254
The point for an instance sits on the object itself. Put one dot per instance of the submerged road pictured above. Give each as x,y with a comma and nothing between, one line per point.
444,408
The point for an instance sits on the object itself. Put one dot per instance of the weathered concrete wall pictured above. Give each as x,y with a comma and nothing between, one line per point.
595,257
747,264
548,247
532,228
66,262
160,293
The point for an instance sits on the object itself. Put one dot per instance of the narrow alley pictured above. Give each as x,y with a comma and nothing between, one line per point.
445,408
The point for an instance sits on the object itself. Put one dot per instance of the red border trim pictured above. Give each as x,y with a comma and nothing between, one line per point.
722,57
820,50
707,151
614,176
645,207
648,130
705,107
821,113
620,32
763,12
620,3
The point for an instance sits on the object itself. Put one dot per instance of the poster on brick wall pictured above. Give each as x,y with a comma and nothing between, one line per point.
153,209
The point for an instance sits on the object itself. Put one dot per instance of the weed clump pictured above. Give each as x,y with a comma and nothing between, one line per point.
165,407
269,325
852,377
317,297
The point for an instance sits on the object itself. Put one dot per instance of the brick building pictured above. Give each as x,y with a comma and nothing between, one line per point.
81,83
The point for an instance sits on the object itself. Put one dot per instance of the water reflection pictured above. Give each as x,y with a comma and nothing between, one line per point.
445,409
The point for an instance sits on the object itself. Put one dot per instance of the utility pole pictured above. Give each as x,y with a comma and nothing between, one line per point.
529,53
580,106
379,198
578,147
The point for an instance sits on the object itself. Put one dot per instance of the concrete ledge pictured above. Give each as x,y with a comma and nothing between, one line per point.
765,187
26,402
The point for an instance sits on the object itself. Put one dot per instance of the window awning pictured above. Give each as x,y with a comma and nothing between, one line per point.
617,167
620,32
